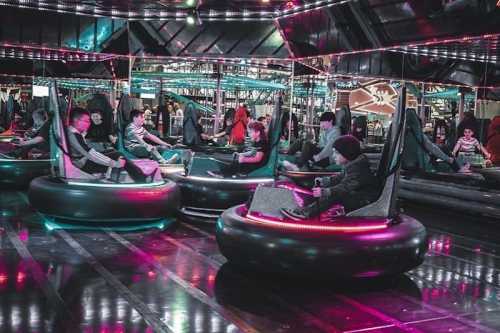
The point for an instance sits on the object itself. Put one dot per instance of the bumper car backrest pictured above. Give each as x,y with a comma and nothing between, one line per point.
389,167
269,166
59,143
343,120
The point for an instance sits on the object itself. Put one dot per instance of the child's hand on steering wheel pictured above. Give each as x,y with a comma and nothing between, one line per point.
316,192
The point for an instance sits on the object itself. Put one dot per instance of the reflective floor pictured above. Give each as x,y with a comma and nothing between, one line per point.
176,281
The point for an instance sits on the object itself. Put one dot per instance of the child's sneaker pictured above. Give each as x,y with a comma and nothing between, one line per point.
290,166
171,160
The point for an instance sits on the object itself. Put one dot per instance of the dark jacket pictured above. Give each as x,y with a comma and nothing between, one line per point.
355,187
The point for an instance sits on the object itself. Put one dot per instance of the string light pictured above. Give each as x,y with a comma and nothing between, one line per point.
433,41
159,12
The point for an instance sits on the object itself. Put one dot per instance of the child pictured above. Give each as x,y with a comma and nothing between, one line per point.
467,145
355,188
100,131
84,157
226,129
318,154
35,138
251,159
239,125
135,133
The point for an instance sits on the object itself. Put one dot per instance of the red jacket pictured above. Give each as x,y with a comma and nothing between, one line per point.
240,125
493,145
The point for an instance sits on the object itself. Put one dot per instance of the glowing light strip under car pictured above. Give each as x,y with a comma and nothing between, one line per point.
308,227
19,161
116,185
232,180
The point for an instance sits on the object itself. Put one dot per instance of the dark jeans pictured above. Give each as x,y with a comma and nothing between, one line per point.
92,167
22,152
350,202
308,150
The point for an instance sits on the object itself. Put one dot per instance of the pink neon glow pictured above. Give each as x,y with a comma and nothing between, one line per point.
151,274
294,188
308,225
20,277
3,278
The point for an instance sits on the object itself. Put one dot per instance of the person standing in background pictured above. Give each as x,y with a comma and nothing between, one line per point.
239,126
179,115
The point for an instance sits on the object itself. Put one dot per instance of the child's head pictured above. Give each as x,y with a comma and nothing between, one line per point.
80,119
327,120
96,116
468,133
39,116
137,117
257,131
348,149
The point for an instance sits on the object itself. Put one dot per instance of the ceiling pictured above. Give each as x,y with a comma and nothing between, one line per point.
167,9
446,41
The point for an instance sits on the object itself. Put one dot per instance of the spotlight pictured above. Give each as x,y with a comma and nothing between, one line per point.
190,3
190,19
193,17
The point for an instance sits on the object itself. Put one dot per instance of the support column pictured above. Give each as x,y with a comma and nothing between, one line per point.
290,113
461,106
422,103
218,97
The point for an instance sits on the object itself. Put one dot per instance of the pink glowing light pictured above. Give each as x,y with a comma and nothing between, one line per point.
21,276
309,225
151,274
3,278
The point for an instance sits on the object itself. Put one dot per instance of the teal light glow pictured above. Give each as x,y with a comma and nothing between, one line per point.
51,224
202,81
90,33
148,185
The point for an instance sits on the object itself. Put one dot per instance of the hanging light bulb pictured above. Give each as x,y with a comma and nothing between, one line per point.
190,19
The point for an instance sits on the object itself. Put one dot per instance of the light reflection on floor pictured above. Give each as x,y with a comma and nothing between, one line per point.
179,279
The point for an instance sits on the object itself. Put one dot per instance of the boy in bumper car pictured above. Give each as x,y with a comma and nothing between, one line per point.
356,187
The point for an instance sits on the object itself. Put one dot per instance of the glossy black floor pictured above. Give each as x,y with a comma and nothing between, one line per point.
176,281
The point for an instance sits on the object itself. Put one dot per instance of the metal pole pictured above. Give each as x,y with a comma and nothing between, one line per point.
131,61
218,96
422,104
461,106
290,113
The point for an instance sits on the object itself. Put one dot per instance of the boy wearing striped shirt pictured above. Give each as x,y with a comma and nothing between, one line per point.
467,146
135,136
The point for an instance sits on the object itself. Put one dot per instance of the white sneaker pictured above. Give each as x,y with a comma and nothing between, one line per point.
290,166
465,169
173,159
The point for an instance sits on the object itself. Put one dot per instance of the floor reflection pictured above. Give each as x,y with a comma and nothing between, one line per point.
185,283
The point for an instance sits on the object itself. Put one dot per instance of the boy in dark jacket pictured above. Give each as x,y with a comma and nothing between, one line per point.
356,187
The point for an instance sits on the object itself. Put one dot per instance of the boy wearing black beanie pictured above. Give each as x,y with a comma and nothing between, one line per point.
356,187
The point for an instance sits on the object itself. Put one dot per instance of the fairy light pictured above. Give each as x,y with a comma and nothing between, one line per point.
434,42
156,14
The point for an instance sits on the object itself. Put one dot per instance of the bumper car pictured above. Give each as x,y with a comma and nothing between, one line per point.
372,241
18,172
477,192
204,198
71,198
305,178
125,106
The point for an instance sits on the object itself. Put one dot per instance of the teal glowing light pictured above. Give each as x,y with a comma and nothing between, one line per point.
51,224
97,32
202,81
